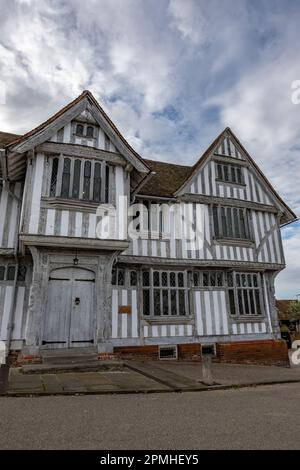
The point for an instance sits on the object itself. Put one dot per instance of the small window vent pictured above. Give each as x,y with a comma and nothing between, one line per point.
167,353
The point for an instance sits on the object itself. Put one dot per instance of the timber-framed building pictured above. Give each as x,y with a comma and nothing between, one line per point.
63,286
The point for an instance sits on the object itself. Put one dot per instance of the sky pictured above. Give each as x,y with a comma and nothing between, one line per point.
172,74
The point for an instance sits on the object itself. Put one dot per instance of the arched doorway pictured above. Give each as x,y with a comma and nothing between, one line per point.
69,319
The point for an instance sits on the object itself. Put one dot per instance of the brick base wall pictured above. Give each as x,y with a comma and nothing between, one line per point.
265,352
187,352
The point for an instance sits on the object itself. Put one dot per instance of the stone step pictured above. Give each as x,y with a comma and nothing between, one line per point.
69,356
79,367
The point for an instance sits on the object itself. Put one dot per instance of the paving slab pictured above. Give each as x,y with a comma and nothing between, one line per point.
165,375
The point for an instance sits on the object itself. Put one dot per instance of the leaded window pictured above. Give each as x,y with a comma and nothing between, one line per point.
90,131
54,176
66,176
76,179
87,180
165,293
118,277
79,179
245,294
231,222
208,278
229,173
79,129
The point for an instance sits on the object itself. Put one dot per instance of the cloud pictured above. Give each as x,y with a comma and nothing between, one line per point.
171,74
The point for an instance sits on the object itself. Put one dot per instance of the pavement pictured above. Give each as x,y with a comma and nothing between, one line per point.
249,418
146,377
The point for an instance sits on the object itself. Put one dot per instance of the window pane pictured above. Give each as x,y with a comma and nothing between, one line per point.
106,183
233,178
164,278
2,273
236,224
90,131
146,302
212,279
255,280
156,278
247,311
216,222
121,277
156,295
240,302
238,280
79,129
76,180
87,181
173,302
219,172
219,277
21,272
172,279
180,280
239,175
133,278
229,222
205,279
114,277
97,183
196,279
65,187
226,176
54,177
181,294
10,273
244,283
257,302
242,224
165,299
146,278
231,302
230,279
252,306
224,222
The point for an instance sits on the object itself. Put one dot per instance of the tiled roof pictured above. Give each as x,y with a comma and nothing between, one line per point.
166,180
6,138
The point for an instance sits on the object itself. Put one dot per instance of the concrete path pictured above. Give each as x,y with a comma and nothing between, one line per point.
147,377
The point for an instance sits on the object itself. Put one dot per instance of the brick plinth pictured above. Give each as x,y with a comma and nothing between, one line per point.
265,352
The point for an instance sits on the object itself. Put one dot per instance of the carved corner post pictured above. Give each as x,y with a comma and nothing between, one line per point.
104,301
270,278
37,296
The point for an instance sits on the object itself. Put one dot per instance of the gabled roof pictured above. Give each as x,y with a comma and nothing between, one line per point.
291,216
43,132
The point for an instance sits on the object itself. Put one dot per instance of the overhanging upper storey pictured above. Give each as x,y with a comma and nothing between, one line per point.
80,127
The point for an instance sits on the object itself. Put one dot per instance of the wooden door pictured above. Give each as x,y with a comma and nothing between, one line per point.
81,325
70,314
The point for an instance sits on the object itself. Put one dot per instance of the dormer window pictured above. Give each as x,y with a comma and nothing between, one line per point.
90,131
79,129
